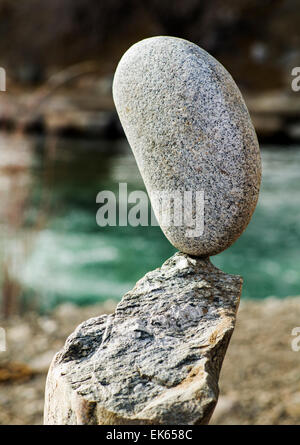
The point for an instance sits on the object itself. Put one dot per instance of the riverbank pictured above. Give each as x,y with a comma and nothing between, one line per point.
87,111
259,384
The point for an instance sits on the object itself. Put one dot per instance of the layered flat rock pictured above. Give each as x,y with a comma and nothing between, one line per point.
157,359
190,131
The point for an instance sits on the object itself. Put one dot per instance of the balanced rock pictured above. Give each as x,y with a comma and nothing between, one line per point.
190,131
157,359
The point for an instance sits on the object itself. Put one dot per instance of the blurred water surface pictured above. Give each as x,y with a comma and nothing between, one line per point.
52,250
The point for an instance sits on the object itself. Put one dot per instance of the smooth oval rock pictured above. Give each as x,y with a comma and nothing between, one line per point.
193,139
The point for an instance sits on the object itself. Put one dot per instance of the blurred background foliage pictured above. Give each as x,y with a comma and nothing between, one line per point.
257,40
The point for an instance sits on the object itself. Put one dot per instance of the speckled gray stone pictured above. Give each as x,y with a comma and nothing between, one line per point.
190,130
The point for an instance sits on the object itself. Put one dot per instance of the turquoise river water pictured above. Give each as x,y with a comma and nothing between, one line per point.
53,250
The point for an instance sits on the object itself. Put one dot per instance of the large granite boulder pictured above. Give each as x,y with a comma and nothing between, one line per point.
190,131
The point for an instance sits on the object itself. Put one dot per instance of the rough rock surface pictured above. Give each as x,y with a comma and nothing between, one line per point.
157,359
190,130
